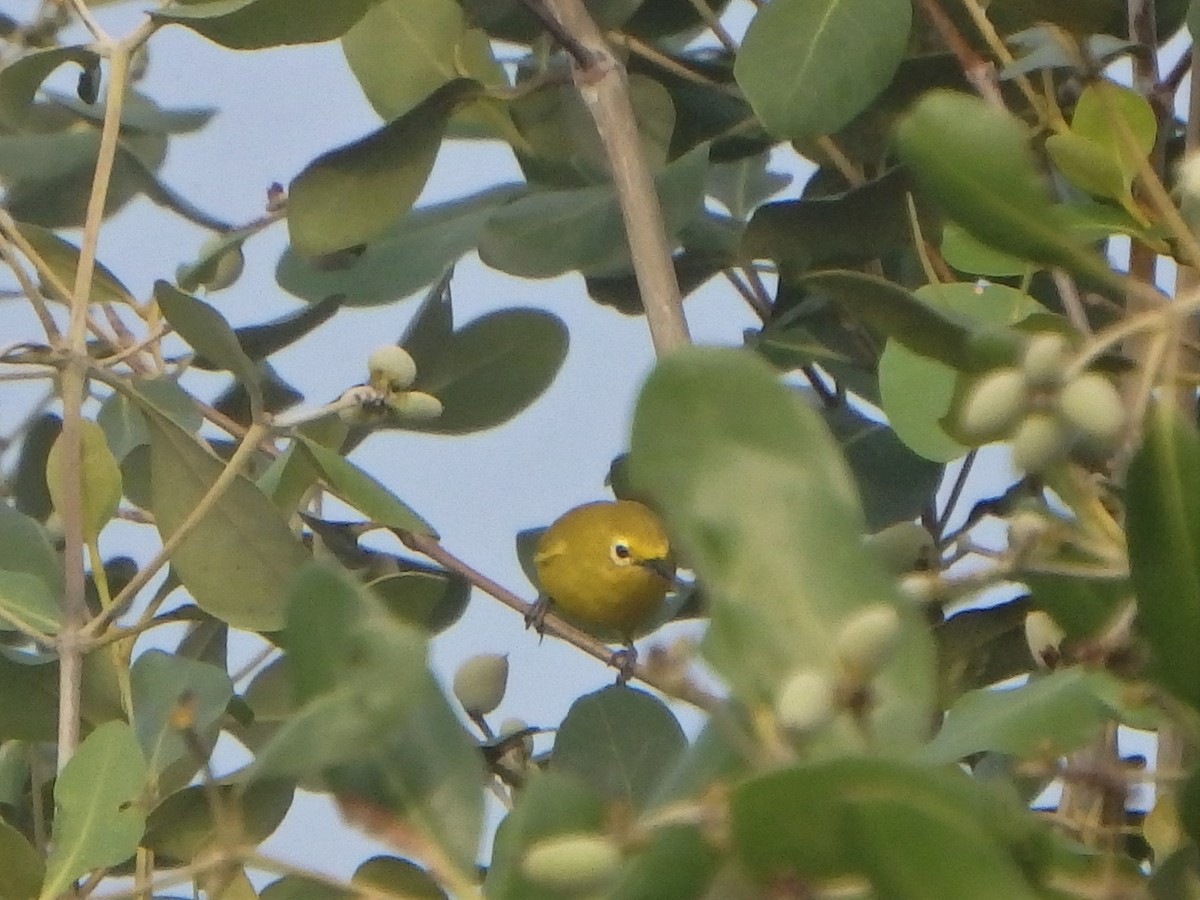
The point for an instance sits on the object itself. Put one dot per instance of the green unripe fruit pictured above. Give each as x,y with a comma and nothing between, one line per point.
480,682
1092,404
417,405
1041,440
867,640
902,547
807,701
1046,359
994,405
572,865
391,368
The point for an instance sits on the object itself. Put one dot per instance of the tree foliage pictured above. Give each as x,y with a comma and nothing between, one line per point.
900,699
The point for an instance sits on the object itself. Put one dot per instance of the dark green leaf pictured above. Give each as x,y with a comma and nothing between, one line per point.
399,876
1083,607
21,78
63,257
843,230
547,233
206,330
25,548
181,827
260,341
253,24
809,66
895,484
620,741
237,562
917,324
29,480
1163,527
430,601
490,370
349,196
414,251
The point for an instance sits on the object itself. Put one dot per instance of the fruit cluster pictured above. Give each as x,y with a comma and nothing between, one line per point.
1041,408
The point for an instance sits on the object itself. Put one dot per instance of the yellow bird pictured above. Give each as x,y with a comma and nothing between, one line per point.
606,564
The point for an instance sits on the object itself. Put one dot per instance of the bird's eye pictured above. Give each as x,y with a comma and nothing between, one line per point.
621,551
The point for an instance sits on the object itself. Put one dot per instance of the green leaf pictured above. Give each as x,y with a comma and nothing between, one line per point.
550,804
547,233
894,482
810,66
26,602
25,548
919,325
253,24
1163,529
350,195
238,560
741,185
966,254
362,491
974,161
99,479
410,254
490,370
917,392
398,876
1103,104
373,721
28,481
741,466
62,257
402,52
23,870
981,647
99,817
846,229
160,683
206,330
1081,606
21,78
218,265
260,341
879,819
1052,714
181,827
431,601
620,741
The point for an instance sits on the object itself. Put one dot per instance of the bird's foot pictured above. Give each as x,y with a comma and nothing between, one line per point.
625,662
536,617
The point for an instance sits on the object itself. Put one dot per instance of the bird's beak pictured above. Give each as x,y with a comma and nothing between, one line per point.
664,568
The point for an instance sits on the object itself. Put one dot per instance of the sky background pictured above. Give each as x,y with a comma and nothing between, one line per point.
277,109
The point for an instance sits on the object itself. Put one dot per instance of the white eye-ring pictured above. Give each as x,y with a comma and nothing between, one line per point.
621,554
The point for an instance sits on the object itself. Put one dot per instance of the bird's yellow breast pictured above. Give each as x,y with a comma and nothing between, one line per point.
591,563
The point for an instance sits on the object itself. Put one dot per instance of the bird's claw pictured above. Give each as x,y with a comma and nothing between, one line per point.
536,617
625,662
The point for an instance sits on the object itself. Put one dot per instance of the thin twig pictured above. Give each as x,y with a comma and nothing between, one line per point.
600,79
979,71
31,291
960,482
713,21
568,41
763,312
